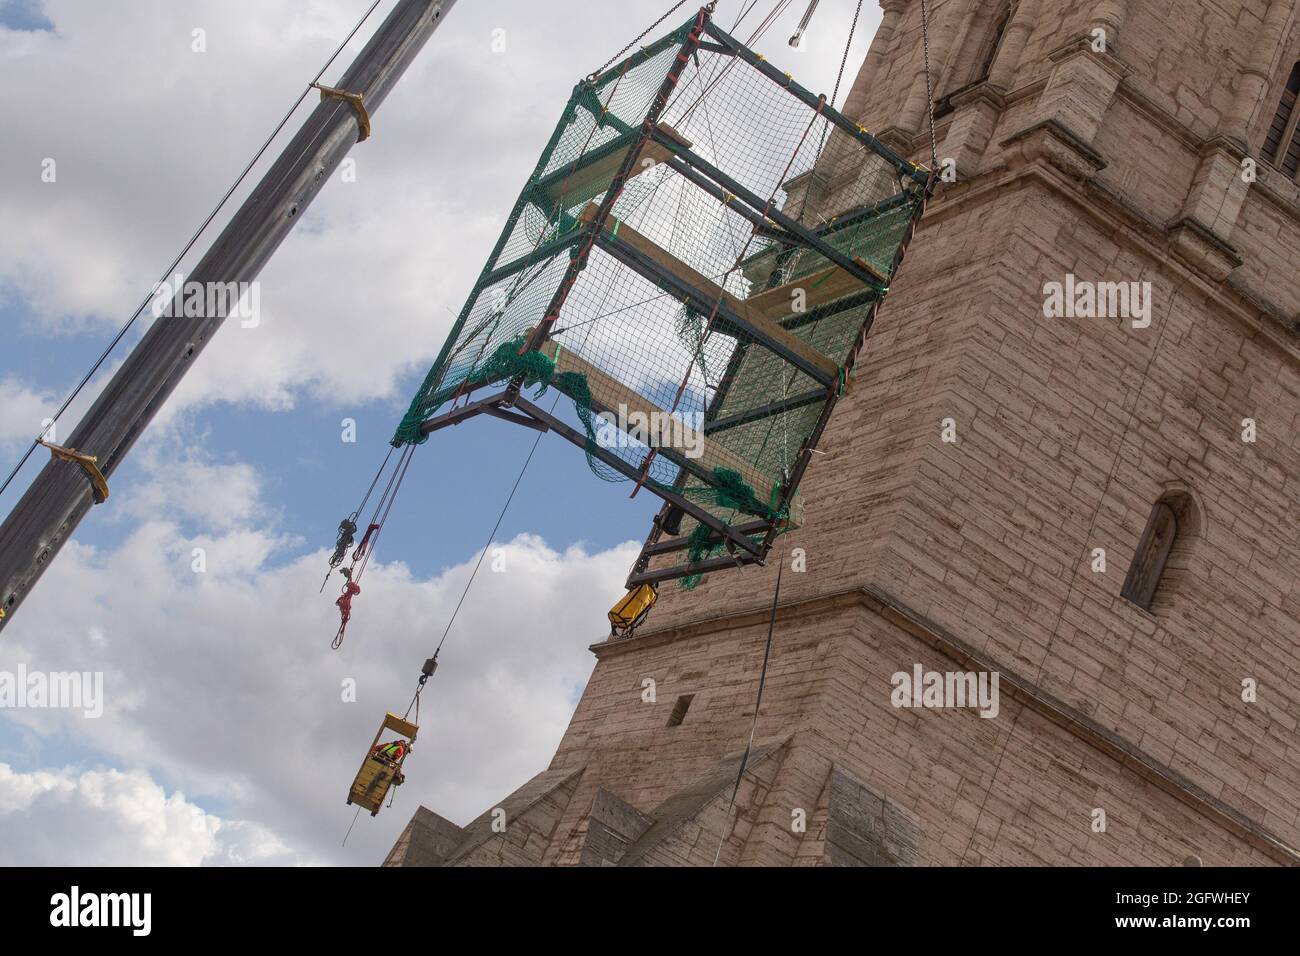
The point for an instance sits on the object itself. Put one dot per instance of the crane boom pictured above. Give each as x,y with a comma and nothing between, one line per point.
61,495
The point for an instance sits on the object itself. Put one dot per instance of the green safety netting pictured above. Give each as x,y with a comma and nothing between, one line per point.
714,361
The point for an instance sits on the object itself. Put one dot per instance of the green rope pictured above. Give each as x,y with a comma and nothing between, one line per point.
728,490
699,550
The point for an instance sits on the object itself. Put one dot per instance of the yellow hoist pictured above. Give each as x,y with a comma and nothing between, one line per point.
626,616
381,770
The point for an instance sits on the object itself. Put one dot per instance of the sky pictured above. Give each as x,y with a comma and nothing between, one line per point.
228,734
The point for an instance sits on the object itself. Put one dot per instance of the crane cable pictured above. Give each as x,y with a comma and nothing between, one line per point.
188,246
778,7
803,23
839,77
758,702
431,664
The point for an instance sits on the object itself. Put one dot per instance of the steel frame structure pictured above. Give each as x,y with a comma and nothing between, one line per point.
750,541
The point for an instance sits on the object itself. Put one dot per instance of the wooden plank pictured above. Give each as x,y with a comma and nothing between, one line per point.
621,232
608,394
820,288
401,725
592,176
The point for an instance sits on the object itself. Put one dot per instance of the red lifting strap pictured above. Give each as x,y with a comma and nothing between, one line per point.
365,542
344,603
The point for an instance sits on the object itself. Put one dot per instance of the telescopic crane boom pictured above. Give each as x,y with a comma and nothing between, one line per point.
50,510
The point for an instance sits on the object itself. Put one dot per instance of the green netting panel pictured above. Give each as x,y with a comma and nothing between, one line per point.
682,310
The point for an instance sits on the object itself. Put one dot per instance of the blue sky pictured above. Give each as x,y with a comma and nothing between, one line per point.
23,15
247,460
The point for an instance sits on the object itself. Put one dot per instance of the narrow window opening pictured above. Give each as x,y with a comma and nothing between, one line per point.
679,710
994,44
1152,555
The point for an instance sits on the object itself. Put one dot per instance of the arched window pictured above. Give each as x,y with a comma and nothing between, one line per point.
1163,553
993,42
982,33
1282,144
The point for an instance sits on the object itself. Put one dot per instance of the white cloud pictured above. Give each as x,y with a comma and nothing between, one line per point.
107,817
186,485
225,682
23,409
360,293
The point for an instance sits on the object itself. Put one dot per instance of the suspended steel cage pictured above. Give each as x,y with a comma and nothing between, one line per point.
673,267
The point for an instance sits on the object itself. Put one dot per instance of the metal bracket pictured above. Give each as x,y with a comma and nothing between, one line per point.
358,104
89,463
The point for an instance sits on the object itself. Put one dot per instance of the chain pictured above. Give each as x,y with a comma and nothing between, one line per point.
592,77
929,90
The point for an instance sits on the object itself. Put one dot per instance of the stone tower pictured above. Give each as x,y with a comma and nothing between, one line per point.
1070,458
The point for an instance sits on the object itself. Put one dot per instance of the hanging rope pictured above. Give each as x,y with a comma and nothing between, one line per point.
350,826
188,246
348,526
762,681
361,556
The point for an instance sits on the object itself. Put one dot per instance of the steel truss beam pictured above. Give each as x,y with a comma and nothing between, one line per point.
807,236
503,405
708,304
731,536
784,81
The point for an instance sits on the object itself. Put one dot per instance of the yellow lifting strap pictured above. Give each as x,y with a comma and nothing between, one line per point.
631,610
88,462
358,104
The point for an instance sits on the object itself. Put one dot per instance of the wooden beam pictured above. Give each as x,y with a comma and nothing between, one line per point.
608,394
592,173
764,329
820,288
692,508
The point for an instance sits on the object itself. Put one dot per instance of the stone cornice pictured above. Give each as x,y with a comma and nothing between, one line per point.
1081,45
1026,692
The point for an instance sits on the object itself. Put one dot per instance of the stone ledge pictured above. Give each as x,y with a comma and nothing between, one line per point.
1201,249
1081,45
1126,753
1051,142
1149,237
